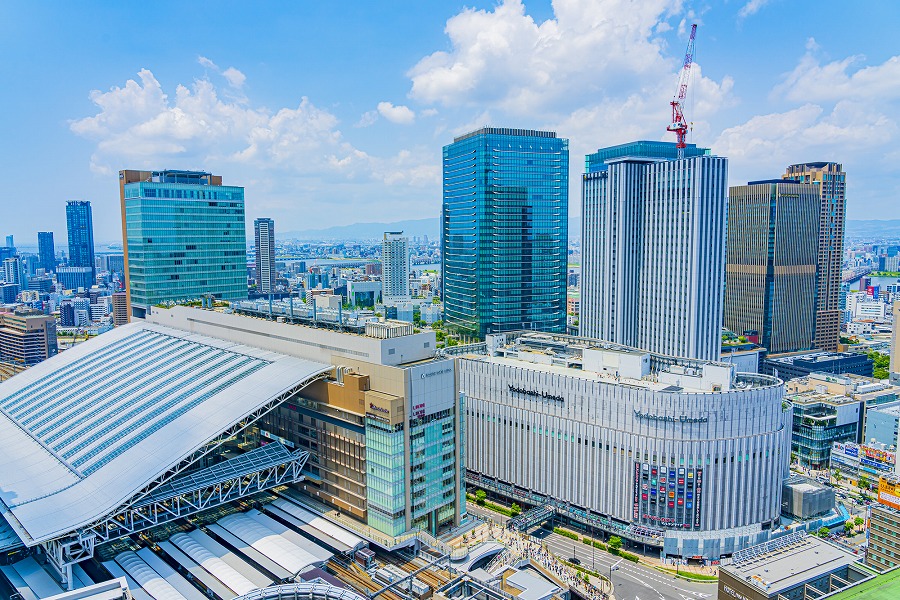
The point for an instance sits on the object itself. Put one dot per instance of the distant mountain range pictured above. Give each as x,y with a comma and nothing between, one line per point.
431,227
367,231
873,229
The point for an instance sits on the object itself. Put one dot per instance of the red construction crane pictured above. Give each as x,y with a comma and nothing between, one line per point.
679,125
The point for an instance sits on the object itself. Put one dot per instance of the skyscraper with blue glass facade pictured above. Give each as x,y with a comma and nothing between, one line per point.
80,227
184,237
46,251
505,231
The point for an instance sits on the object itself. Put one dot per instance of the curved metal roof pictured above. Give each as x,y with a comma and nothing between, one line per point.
83,432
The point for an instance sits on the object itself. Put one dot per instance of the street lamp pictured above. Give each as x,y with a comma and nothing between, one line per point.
613,567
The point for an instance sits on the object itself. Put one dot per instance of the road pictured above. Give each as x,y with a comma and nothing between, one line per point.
632,581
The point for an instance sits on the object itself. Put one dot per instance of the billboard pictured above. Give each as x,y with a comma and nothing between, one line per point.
889,492
882,460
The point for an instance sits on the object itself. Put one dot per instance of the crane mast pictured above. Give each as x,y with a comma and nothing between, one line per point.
679,124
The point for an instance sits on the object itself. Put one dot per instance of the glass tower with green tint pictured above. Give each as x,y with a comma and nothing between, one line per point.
185,238
505,231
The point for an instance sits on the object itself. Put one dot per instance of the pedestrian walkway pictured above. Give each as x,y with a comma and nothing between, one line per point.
527,548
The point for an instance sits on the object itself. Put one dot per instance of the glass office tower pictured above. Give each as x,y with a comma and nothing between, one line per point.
184,238
46,251
505,231
80,227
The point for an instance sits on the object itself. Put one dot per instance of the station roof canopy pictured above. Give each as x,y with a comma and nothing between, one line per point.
82,434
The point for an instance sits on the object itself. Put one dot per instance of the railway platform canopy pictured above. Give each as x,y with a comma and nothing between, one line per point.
107,438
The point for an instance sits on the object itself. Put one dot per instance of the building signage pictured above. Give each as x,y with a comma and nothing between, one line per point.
661,520
877,457
536,394
669,418
276,438
889,493
377,408
734,593
698,494
637,493
433,373
419,410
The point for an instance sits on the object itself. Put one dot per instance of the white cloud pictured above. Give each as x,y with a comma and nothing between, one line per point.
207,63
751,8
841,79
503,59
234,77
367,118
399,114
139,126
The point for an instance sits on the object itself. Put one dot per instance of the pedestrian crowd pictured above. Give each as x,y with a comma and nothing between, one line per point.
522,546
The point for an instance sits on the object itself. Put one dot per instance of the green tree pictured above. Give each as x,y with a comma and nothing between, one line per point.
480,497
859,521
823,532
848,527
515,510
615,543
864,482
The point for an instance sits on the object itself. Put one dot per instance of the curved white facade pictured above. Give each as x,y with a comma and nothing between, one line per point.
702,468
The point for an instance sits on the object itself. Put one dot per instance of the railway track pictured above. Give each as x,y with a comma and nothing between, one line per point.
359,581
435,577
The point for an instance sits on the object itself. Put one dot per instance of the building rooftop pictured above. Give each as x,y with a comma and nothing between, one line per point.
818,357
613,363
84,431
883,587
785,562
505,131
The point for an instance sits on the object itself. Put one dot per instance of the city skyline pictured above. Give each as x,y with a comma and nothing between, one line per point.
819,91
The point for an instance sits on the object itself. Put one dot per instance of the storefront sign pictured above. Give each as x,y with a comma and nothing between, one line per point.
536,394
377,408
668,418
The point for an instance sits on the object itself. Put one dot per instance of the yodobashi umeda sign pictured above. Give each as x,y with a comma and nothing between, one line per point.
645,416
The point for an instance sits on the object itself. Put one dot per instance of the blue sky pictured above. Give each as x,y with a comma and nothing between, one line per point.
332,113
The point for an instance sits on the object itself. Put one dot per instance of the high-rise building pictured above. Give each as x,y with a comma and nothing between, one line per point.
75,278
895,344
395,268
184,237
80,227
46,251
505,231
119,309
265,255
13,272
770,264
653,248
27,336
10,242
831,180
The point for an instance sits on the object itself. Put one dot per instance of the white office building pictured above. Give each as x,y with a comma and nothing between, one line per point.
683,455
265,255
653,256
395,268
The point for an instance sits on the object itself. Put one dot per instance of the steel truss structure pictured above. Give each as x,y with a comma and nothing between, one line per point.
177,493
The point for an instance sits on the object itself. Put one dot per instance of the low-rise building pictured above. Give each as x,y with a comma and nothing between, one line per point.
794,567
820,419
860,462
791,366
